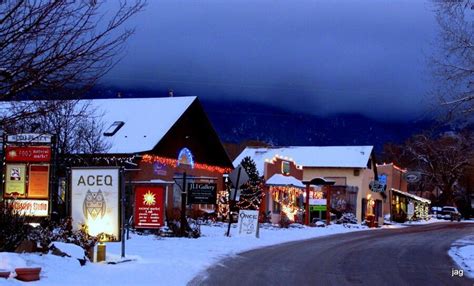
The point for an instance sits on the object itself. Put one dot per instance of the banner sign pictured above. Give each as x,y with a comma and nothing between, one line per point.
15,180
38,182
317,202
317,205
31,207
202,193
149,207
29,138
95,200
318,208
28,154
248,223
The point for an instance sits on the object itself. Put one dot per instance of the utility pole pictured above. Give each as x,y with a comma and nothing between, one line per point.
183,207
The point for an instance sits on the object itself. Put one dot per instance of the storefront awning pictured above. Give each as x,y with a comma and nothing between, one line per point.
282,180
423,200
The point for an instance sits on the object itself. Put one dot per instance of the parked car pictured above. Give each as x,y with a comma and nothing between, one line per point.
436,210
449,212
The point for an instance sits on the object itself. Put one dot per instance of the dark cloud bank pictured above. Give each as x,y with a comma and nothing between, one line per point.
361,56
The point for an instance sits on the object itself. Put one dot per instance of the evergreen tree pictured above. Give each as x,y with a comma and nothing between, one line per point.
252,192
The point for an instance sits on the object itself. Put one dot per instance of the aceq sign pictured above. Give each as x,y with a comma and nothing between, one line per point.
95,200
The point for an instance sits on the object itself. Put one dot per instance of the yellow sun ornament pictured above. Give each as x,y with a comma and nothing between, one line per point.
149,199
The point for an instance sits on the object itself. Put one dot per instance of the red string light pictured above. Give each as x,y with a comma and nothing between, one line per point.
174,163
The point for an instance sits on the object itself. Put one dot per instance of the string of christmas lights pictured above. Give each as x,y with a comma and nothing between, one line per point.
286,197
174,163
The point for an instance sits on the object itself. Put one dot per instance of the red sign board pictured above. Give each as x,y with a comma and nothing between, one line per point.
149,207
28,154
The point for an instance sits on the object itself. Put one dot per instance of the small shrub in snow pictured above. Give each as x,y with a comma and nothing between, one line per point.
284,220
320,224
13,227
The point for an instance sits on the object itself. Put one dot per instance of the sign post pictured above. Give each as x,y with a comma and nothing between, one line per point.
237,181
122,208
27,173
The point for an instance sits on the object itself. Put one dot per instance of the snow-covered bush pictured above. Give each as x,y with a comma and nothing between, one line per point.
13,227
50,231
347,218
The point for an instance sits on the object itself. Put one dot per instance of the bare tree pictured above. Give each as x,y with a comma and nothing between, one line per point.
59,47
442,160
75,123
454,61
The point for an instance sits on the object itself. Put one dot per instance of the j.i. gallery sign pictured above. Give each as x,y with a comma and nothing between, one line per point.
95,200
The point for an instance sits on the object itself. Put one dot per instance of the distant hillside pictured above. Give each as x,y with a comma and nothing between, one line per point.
237,121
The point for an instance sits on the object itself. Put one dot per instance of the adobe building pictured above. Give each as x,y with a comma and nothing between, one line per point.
392,176
401,205
283,189
351,168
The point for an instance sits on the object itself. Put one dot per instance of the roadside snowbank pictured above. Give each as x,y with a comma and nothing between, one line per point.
462,252
161,261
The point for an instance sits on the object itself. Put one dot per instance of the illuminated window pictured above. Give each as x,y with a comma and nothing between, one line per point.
285,167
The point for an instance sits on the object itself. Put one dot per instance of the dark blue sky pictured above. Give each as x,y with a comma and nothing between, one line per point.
320,56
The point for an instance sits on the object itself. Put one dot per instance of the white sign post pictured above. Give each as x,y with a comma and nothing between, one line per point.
248,223
95,200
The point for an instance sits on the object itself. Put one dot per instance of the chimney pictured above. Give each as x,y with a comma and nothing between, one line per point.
170,93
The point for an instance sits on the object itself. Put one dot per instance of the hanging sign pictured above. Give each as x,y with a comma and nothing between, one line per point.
29,138
95,200
28,154
247,224
202,193
38,181
317,204
412,177
377,187
15,180
149,207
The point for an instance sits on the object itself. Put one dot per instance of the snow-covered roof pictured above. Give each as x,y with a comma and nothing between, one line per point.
412,196
311,156
146,120
282,180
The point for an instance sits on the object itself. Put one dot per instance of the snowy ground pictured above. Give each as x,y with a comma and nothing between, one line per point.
157,261
462,252
423,222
